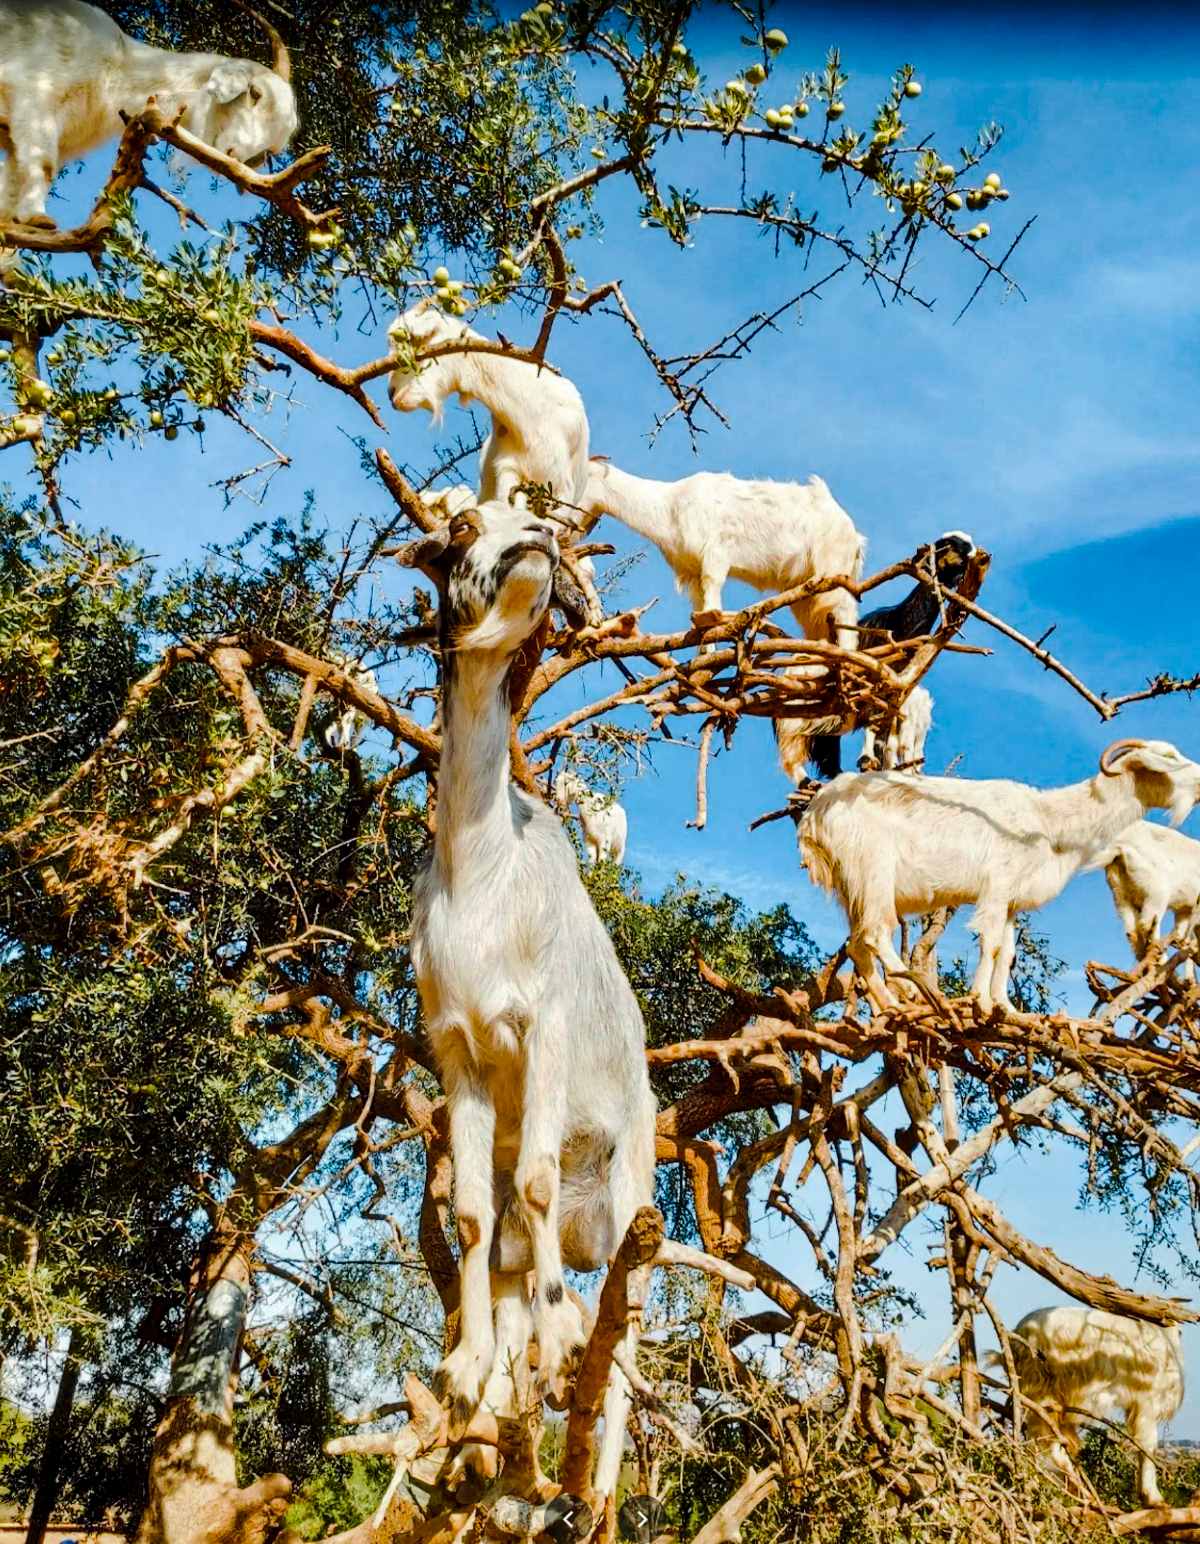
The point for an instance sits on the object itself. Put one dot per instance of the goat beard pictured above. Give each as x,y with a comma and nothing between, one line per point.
1181,806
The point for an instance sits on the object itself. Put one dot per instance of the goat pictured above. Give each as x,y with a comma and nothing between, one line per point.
68,73
1071,1359
533,1023
712,526
904,743
346,729
539,426
913,617
605,824
889,845
448,502
1154,870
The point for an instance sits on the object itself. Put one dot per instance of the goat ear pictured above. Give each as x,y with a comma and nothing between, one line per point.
569,598
229,80
428,553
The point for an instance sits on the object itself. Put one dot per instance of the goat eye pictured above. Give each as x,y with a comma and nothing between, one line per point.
255,94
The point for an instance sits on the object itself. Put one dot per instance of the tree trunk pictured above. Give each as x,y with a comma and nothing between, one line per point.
49,1475
194,1497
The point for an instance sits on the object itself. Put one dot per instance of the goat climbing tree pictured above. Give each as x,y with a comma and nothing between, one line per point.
206,901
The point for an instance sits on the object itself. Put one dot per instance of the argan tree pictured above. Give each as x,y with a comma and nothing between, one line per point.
222,1128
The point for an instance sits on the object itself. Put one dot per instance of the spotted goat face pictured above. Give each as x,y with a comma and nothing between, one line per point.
497,570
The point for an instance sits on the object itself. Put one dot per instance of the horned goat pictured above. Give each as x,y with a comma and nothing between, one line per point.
1071,1359
891,845
533,1022
1152,871
913,617
68,74
605,824
539,426
713,526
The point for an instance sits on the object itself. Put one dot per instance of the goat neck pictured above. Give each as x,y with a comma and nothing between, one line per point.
476,817
1087,817
147,69
641,503
500,383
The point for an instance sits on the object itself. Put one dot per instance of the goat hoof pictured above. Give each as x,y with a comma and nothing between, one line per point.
460,1378
561,1337
471,1471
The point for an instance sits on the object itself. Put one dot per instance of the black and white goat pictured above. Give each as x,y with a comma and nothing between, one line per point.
68,74
913,617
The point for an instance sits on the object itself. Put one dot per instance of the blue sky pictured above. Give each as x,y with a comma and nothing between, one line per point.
1060,430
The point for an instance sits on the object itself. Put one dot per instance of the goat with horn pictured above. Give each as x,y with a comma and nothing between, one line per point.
892,845
534,1025
68,74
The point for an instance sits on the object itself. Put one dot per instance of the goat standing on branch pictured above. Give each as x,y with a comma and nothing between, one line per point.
535,1027
68,74
913,617
712,527
605,824
1072,1359
539,426
1155,870
891,845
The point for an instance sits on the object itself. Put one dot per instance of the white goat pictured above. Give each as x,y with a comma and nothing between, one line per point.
345,731
450,501
534,1025
904,743
1072,1359
891,845
605,824
1152,871
712,526
539,426
68,72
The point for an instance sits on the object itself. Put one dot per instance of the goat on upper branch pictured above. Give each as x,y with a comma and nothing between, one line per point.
539,426
913,617
536,1030
1155,870
892,845
1070,1359
712,526
68,73
605,824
